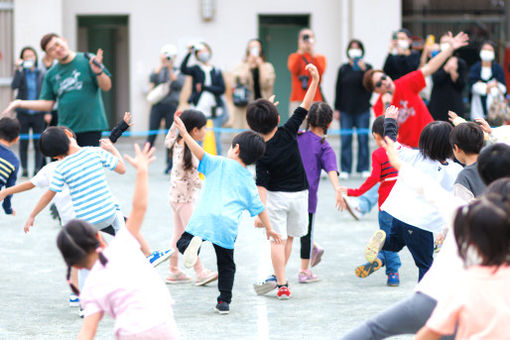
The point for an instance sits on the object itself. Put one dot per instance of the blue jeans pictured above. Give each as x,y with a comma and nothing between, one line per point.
389,258
347,123
369,199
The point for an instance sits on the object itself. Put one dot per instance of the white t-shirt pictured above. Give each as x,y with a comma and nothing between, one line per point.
62,199
128,289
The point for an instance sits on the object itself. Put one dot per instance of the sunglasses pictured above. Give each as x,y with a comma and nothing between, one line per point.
379,83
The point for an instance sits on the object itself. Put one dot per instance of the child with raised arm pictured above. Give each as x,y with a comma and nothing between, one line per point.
229,189
121,282
9,163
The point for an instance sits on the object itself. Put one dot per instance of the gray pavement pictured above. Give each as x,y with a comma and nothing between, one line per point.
34,293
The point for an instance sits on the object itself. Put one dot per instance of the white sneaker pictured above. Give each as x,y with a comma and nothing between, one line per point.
365,174
352,205
344,175
190,255
375,245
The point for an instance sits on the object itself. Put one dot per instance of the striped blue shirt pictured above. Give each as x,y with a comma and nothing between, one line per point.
9,165
84,175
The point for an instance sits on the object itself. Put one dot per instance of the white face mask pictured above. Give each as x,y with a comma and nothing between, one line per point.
28,63
204,57
404,44
487,55
354,53
444,46
254,51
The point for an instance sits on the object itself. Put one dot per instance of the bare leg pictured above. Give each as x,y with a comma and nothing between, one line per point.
144,246
288,248
278,259
305,264
74,277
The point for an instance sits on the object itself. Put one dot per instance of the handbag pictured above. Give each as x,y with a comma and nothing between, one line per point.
157,93
241,94
499,112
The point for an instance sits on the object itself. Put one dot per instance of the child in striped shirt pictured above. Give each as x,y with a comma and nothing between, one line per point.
9,163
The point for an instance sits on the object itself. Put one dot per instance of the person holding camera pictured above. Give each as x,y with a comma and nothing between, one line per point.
352,107
208,86
401,59
28,81
252,79
299,76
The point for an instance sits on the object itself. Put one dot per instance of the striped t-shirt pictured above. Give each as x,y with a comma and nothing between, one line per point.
9,165
83,173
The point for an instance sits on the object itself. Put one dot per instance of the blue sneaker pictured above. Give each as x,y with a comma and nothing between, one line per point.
74,300
158,257
393,280
265,286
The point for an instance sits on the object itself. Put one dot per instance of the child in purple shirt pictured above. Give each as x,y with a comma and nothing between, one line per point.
316,154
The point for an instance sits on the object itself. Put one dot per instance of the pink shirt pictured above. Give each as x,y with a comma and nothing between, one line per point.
128,289
480,304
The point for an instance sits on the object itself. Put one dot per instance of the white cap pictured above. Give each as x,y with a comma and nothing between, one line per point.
169,50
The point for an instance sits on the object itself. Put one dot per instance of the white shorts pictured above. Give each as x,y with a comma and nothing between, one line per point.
288,212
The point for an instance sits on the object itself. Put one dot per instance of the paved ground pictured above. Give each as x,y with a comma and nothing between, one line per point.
33,291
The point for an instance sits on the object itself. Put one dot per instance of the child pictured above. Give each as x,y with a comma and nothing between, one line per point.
228,190
316,154
121,282
281,179
184,183
480,306
9,163
386,175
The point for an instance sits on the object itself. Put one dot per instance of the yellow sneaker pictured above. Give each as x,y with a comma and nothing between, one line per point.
375,245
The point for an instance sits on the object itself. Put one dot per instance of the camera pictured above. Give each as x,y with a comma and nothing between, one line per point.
306,37
304,81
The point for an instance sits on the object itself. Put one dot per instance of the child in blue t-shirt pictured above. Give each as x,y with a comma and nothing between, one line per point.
229,189
9,163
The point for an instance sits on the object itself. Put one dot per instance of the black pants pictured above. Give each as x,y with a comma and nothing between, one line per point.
225,263
158,112
307,240
419,242
37,124
89,138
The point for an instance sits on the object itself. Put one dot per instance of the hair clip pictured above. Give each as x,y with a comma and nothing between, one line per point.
99,250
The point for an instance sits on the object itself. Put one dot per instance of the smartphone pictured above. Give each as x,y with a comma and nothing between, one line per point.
355,65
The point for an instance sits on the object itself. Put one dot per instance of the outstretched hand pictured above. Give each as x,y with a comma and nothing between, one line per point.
272,98
12,105
339,199
460,40
99,58
127,118
180,124
313,71
484,125
29,224
393,157
276,237
142,158
391,112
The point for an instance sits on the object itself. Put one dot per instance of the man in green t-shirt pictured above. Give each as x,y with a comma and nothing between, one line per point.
76,83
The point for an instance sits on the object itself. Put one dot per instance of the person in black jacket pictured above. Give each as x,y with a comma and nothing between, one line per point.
28,81
352,105
401,59
208,87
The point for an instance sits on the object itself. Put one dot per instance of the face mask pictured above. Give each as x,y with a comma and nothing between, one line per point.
204,57
354,53
444,46
255,51
486,55
404,44
28,64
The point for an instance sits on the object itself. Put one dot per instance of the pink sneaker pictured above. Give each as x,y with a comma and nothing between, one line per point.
316,256
207,276
307,277
179,277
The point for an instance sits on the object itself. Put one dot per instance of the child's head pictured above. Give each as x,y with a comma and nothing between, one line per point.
494,162
378,130
55,141
77,241
262,116
320,115
195,123
434,141
466,139
9,130
247,146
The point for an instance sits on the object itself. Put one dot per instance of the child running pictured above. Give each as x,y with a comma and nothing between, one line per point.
229,189
121,282
317,155
9,163
184,183
386,175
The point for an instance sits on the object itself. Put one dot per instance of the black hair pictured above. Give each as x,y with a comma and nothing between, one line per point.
9,129
54,141
494,162
378,126
46,39
434,141
191,119
483,229
468,137
500,186
31,49
251,146
77,240
406,31
262,53
320,115
262,116
491,43
355,41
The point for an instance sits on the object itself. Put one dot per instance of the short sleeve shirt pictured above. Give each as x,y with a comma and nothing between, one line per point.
75,87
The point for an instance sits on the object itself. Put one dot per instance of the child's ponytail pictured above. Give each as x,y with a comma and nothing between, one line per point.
320,115
191,119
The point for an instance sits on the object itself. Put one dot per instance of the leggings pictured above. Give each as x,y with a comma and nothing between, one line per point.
36,123
307,240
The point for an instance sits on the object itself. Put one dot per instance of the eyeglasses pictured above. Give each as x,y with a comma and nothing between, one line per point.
379,83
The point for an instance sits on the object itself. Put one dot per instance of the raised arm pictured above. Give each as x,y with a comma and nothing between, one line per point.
103,79
35,105
190,142
16,189
184,65
310,93
460,40
390,122
107,145
41,204
121,127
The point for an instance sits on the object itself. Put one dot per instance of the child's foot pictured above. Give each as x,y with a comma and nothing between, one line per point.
393,280
74,300
307,277
368,268
179,277
158,257
375,245
54,213
81,313
283,292
352,205
222,307
265,286
316,255
191,253
205,277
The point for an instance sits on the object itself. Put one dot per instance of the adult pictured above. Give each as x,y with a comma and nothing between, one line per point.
28,81
300,79
256,75
208,86
76,82
448,85
47,62
404,92
486,81
401,59
352,104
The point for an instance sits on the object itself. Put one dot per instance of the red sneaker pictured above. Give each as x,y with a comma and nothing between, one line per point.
283,293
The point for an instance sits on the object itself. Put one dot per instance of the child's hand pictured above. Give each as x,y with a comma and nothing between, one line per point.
313,71
178,113
3,194
339,199
391,112
389,146
180,126
107,145
452,116
29,224
272,98
127,118
142,157
483,124
276,237
342,189
258,223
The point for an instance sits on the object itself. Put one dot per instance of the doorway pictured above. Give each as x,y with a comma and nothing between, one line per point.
110,33
279,36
